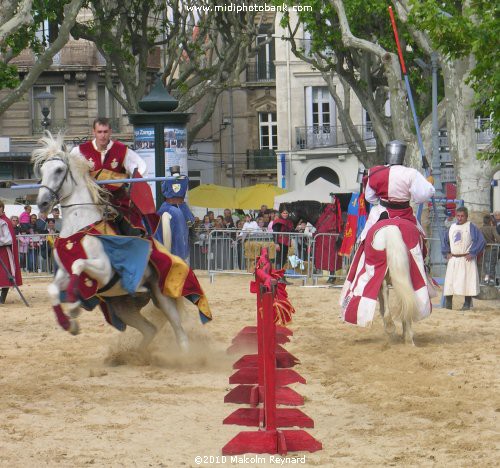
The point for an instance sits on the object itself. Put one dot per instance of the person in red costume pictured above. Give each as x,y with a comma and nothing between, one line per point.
112,159
282,225
8,256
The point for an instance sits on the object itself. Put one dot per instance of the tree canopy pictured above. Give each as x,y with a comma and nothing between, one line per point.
351,42
19,23
204,48
471,27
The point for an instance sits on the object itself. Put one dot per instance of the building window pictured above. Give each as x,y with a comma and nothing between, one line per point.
265,54
57,114
321,118
108,106
268,130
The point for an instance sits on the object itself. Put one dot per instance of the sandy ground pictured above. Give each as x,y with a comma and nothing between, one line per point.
93,400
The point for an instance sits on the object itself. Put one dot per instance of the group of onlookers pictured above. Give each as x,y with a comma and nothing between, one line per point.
35,236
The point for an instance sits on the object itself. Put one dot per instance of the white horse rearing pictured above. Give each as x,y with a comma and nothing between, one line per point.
66,180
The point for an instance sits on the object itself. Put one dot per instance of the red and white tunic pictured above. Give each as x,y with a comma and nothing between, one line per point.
393,185
115,162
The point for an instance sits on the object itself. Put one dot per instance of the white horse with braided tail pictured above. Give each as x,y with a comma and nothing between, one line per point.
65,179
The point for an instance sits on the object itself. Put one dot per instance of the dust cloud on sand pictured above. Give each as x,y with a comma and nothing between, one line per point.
94,399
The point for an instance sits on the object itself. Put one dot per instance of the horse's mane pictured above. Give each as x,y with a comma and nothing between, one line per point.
55,148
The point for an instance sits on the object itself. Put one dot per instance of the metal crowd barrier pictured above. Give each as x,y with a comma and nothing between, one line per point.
35,254
235,251
489,266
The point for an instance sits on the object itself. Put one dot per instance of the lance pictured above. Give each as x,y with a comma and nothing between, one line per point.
13,281
130,180
425,163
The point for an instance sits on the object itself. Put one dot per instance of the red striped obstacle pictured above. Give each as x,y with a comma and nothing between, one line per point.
263,380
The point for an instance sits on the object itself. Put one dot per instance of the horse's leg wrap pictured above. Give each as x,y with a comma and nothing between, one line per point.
72,290
62,318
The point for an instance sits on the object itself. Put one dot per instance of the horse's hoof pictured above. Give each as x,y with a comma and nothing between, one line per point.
74,327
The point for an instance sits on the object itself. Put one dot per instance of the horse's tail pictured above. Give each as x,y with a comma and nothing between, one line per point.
399,270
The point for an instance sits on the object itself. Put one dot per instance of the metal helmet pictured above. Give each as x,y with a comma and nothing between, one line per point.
395,152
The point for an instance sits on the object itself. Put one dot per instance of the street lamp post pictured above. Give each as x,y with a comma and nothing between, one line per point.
45,99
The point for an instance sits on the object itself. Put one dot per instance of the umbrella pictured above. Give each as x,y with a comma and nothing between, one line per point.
212,196
251,198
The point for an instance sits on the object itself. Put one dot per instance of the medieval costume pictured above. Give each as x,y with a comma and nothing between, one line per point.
174,190
462,276
282,225
9,257
117,161
393,186
326,253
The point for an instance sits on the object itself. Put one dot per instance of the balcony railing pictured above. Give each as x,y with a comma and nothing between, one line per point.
261,72
323,136
261,159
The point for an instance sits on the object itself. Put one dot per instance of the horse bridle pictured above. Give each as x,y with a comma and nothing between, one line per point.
55,193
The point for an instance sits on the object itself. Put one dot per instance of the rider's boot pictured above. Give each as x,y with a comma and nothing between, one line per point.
448,302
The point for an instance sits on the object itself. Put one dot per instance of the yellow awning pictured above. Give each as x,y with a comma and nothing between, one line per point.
253,197
212,196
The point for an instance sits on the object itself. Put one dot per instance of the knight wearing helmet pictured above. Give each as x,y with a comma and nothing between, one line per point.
390,188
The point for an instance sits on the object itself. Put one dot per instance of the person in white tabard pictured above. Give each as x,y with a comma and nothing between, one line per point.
461,248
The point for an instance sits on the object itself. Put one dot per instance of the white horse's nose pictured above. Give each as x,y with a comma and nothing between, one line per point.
43,200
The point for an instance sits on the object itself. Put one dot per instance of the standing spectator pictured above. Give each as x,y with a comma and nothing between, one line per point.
272,216
461,247
57,219
8,255
281,225
23,240
41,224
263,210
229,220
490,257
15,223
24,217
34,244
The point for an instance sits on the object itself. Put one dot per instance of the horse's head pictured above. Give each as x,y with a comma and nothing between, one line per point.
58,171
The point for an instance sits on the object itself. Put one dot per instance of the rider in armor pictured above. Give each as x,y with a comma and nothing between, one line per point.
391,187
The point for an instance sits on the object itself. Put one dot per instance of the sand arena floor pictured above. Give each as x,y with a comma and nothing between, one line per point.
93,400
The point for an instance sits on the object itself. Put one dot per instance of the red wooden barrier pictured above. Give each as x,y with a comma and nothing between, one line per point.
270,376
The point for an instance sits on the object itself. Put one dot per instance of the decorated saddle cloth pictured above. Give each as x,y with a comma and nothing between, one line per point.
359,295
129,257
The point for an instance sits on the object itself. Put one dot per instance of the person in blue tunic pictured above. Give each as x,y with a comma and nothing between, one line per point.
174,190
